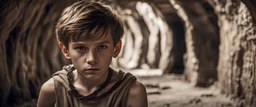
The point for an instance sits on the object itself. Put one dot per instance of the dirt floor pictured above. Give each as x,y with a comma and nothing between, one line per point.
173,91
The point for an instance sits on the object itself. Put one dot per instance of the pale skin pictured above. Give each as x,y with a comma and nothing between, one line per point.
91,60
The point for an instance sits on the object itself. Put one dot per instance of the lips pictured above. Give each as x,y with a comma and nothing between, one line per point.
92,70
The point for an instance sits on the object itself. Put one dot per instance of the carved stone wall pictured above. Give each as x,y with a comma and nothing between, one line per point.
219,35
28,47
237,65
202,40
148,40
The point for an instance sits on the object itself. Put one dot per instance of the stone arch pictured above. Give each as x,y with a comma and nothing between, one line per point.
201,58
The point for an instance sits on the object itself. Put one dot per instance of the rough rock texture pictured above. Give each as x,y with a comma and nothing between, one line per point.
225,51
29,50
148,40
202,40
173,91
236,68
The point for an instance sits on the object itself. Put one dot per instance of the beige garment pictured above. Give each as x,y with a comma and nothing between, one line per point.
117,98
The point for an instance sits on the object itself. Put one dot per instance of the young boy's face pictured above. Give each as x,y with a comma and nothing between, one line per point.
92,57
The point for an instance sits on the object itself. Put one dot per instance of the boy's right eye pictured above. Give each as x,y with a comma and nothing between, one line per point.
80,48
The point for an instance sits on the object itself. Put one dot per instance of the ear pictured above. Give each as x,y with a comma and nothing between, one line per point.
64,50
117,49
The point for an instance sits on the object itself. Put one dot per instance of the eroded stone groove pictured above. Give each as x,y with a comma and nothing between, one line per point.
236,65
219,44
148,39
202,40
29,51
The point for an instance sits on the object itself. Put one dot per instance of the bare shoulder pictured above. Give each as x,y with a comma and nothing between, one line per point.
136,88
47,94
137,95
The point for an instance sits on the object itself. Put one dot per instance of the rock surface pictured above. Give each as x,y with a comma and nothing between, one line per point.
173,91
215,37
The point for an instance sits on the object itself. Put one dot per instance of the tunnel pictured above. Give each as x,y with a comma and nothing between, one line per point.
204,44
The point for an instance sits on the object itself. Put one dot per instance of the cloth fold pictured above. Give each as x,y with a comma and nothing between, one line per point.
116,97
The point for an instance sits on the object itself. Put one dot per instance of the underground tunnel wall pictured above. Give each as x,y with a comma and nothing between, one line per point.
237,65
27,32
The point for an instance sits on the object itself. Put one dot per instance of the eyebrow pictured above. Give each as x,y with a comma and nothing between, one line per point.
104,42
77,43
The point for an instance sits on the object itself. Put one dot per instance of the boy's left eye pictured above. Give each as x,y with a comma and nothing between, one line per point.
102,47
80,48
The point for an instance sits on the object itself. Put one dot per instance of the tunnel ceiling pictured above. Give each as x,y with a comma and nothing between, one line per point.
167,10
26,60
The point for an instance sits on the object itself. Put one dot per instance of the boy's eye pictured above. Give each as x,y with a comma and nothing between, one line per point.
80,48
102,47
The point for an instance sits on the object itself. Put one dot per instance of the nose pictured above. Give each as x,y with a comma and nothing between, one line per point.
92,58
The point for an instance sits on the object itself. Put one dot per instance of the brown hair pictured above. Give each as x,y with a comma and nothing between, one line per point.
82,20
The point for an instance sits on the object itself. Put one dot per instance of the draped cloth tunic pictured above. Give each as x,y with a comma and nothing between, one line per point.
117,97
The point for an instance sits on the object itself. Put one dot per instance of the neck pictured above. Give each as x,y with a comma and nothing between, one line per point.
89,83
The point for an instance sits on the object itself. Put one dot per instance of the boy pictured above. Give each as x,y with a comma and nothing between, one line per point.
89,35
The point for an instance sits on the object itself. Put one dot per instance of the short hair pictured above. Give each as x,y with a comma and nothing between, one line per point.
82,20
